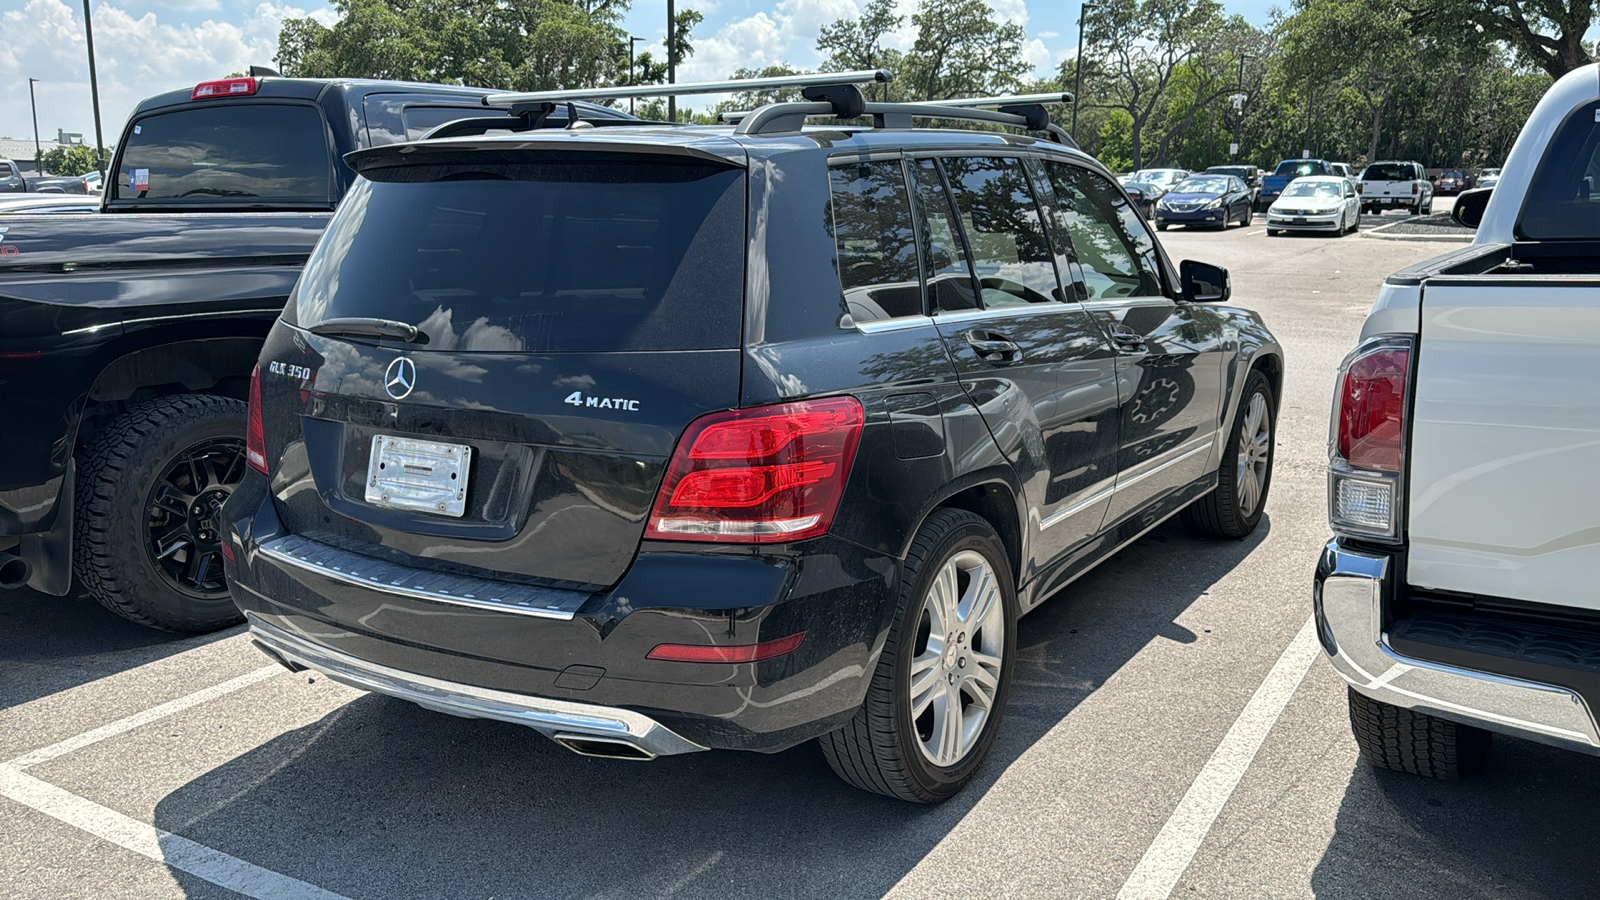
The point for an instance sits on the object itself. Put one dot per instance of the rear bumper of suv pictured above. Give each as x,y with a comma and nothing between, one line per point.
575,665
1353,588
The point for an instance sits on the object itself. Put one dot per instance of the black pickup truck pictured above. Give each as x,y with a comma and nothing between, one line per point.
127,338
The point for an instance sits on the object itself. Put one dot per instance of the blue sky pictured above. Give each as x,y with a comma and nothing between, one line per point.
145,47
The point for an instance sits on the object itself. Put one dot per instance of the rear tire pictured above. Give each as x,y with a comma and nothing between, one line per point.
1407,741
934,658
1234,509
147,530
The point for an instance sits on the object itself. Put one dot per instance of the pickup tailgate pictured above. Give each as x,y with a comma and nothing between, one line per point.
1504,496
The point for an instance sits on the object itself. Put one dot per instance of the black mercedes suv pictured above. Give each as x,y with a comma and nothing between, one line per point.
665,439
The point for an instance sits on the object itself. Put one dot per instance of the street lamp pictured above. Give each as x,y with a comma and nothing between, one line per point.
1238,109
94,93
38,157
631,82
1077,78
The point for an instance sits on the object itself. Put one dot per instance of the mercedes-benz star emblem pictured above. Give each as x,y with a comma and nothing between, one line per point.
400,378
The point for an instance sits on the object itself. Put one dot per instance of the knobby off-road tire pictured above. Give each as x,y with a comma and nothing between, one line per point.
147,524
885,748
1394,738
1234,509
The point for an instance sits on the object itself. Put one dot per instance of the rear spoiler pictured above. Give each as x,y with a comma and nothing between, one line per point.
514,150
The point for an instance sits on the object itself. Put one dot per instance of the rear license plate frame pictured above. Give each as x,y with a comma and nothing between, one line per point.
418,475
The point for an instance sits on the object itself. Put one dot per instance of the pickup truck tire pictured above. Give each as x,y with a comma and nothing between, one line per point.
156,478
1407,741
888,747
1243,479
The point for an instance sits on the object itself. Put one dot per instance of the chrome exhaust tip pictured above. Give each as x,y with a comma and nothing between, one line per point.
605,747
14,571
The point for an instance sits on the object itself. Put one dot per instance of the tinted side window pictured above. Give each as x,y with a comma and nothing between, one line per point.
249,150
1111,243
422,119
949,277
876,244
1563,201
1004,233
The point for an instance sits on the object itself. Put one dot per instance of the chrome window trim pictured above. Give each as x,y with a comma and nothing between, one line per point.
900,323
1127,302
215,314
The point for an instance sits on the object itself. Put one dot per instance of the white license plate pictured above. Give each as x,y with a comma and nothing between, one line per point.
426,476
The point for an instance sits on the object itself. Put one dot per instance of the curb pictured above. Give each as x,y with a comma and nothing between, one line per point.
1380,234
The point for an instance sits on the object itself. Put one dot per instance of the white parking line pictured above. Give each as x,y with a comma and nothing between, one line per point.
1258,231
128,723
1170,854
153,843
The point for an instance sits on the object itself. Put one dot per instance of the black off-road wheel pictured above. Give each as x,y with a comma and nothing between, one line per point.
1391,737
1234,509
939,691
149,529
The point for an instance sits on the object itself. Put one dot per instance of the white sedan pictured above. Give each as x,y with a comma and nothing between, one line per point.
1316,203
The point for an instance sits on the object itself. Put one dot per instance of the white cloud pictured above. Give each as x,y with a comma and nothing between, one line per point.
191,5
136,56
1049,35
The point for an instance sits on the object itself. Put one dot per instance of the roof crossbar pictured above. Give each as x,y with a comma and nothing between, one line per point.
1025,111
731,86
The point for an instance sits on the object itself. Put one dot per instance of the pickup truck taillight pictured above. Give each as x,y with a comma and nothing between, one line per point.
1361,188
762,475
255,437
227,87
1366,453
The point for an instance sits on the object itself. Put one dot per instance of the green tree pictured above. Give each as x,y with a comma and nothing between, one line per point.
74,160
849,45
1548,34
962,50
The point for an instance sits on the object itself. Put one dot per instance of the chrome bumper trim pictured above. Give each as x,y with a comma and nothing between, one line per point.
545,715
362,571
1349,592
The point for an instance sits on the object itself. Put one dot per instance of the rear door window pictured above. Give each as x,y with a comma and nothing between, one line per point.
876,245
1109,239
1563,200
944,255
1005,235
237,152
539,257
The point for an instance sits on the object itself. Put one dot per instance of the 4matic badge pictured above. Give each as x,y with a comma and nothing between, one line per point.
576,398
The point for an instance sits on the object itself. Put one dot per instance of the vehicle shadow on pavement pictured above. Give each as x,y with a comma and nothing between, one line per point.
49,644
1523,826
384,799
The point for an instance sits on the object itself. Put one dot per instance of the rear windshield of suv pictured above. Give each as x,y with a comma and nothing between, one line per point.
1563,200
539,257
1390,172
266,152
1301,167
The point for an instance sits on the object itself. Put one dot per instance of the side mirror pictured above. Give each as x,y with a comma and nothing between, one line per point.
1204,283
1469,207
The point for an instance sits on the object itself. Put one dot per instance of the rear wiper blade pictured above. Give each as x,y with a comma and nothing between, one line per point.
361,326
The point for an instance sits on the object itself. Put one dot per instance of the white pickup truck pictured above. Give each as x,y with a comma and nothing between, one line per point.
1395,185
1461,596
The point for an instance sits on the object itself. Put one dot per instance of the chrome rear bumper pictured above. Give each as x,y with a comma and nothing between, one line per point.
581,727
1348,596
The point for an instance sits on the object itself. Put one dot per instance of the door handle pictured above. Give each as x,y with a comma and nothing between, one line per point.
996,348
1126,338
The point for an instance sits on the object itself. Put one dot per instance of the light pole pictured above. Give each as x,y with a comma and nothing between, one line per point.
1077,74
38,157
94,93
672,58
631,82
1238,109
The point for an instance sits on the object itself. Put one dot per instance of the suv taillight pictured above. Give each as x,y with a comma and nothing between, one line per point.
255,437
763,475
1366,453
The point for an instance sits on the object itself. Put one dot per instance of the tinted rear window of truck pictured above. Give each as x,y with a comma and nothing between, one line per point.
245,152
1389,173
539,257
1563,200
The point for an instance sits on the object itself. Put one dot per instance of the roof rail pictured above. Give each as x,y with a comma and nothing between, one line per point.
731,86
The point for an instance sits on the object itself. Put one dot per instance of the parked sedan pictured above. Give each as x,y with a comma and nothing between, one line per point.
1167,178
1144,196
1316,203
1453,182
1211,200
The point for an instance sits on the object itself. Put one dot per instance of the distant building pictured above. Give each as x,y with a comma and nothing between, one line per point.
20,151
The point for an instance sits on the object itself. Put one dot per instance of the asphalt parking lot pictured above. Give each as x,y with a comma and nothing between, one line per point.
1173,731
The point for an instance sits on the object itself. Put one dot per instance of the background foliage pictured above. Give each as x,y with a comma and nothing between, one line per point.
1446,82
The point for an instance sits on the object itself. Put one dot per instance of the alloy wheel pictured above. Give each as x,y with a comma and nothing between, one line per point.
185,516
1255,449
957,658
